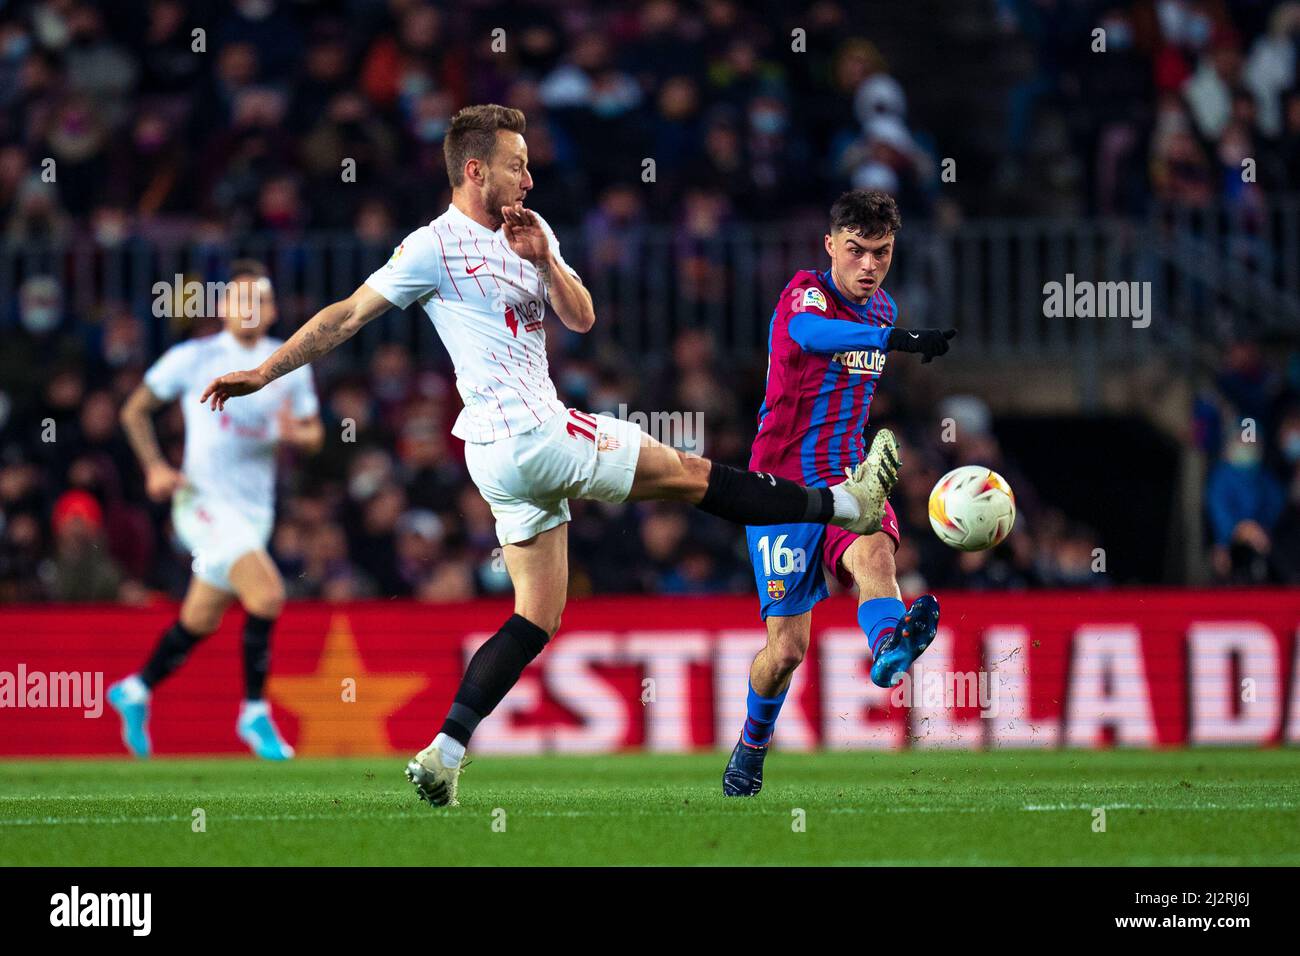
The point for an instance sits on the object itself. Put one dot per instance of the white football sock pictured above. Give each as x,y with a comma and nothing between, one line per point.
452,750
846,506
137,692
251,709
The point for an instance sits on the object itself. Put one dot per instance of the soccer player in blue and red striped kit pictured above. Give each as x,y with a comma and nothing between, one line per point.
827,343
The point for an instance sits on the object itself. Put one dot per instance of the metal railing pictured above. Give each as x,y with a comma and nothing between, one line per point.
1212,274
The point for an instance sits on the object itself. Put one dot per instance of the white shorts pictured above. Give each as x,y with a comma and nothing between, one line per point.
216,535
528,479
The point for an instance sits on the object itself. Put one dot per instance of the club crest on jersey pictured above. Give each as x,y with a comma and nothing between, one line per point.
607,442
775,589
813,299
862,362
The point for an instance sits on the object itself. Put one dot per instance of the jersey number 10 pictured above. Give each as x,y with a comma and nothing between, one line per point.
577,421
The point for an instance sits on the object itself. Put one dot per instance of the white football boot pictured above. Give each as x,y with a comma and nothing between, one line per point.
434,781
872,481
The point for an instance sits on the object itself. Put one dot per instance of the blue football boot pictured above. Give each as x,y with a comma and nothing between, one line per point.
130,699
744,774
256,729
908,641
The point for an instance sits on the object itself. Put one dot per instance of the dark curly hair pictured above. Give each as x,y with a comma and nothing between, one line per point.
870,213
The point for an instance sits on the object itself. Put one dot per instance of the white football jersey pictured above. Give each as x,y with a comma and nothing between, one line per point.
231,454
487,305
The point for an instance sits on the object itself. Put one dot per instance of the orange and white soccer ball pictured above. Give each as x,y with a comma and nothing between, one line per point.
972,508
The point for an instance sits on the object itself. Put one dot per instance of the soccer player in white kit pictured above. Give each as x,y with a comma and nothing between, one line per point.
223,501
485,272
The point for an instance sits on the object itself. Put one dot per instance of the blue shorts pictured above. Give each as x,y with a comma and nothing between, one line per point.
787,560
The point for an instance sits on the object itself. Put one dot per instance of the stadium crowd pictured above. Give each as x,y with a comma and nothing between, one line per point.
387,507
182,118
1183,92
1198,107
152,136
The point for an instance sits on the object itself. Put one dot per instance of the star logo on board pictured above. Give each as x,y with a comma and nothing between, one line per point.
337,717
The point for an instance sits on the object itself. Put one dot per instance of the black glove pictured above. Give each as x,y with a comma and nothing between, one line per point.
929,342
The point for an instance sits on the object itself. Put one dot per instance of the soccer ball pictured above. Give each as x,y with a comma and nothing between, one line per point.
972,508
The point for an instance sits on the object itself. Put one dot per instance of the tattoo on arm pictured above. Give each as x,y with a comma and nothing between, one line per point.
544,273
309,343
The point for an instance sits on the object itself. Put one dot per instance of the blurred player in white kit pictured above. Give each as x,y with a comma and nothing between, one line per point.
223,501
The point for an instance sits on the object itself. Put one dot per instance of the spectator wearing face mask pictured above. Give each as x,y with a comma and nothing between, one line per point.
34,352
1184,28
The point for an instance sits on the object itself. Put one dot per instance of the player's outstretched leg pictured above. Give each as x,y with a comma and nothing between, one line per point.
200,614
539,569
260,590
758,498
769,682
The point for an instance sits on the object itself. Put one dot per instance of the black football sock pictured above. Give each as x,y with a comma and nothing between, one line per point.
170,653
257,654
757,498
492,671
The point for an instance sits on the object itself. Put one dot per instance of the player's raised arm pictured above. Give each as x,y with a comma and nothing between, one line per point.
530,239
323,332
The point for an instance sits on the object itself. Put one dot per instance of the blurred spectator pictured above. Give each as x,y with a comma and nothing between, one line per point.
1244,502
81,569
1270,70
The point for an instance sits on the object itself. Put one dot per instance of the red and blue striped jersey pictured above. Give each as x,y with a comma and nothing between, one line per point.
825,356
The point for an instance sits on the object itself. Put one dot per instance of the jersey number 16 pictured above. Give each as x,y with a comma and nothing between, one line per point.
778,559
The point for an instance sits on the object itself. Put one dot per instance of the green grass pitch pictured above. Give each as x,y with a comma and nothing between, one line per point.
1191,807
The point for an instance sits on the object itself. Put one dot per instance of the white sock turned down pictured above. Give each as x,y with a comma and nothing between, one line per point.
846,506
451,750
252,709
136,691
